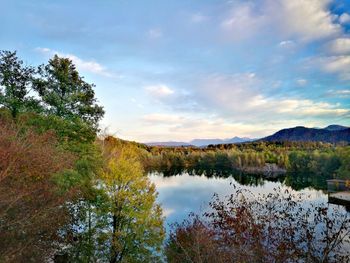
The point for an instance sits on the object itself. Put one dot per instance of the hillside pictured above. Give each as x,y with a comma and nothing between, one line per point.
331,134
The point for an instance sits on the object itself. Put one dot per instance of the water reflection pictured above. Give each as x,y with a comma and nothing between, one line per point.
186,192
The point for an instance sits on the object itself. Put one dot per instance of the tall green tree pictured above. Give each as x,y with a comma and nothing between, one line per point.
16,84
65,93
136,230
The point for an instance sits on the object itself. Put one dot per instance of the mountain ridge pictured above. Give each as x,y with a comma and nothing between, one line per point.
332,133
201,142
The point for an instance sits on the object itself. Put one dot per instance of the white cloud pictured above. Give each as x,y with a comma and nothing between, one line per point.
306,20
286,43
344,18
301,82
345,93
307,108
159,91
238,97
85,65
242,21
336,64
339,46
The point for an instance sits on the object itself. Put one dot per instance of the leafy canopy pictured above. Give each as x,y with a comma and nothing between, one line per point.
16,84
65,93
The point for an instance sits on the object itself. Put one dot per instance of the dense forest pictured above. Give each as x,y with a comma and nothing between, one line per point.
68,194
255,157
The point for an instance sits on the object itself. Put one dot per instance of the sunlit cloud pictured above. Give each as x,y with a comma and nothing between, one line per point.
336,64
343,93
301,82
85,65
339,46
304,19
344,18
159,91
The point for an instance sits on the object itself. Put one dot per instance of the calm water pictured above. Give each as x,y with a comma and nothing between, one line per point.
181,194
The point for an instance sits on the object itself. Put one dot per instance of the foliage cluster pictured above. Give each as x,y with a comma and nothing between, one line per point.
266,228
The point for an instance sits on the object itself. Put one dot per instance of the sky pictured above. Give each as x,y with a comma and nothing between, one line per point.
185,69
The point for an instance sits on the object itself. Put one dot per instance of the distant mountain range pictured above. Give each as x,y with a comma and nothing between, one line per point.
201,142
170,144
206,142
332,133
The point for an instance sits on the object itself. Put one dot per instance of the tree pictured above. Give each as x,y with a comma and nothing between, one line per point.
15,84
32,209
136,220
65,93
121,222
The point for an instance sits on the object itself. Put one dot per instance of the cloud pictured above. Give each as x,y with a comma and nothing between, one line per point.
160,91
85,65
286,43
178,99
301,82
309,108
345,93
344,18
336,64
306,20
242,21
339,46
239,97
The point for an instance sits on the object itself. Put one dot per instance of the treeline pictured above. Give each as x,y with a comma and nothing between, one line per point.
256,157
65,194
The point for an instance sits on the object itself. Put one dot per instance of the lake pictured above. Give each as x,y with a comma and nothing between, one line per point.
183,193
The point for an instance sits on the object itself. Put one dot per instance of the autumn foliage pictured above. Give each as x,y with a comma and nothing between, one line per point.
31,206
277,227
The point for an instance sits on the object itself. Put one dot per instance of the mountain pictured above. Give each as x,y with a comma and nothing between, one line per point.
169,144
206,142
200,142
335,127
332,134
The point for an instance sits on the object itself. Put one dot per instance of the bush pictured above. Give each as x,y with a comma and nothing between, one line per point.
273,228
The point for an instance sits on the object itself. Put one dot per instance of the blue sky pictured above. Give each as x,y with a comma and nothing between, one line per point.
178,70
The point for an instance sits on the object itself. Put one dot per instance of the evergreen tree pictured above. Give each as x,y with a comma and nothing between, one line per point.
65,93
15,84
